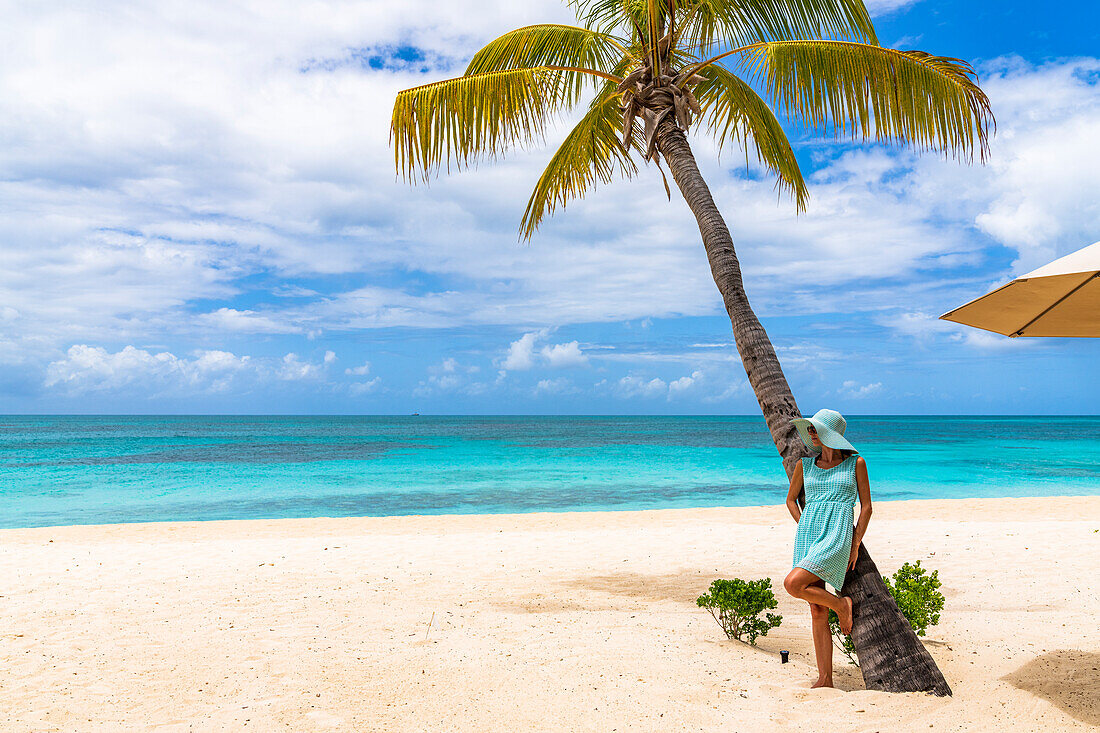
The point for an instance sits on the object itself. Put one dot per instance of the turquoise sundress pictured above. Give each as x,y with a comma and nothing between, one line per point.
823,541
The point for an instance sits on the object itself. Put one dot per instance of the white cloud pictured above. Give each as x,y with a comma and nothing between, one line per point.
92,368
633,386
929,331
521,353
561,385
1045,167
294,369
855,390
361,388
683,384
246,321
359,371
564,355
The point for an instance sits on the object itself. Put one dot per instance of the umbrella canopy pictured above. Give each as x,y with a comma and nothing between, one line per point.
1059,299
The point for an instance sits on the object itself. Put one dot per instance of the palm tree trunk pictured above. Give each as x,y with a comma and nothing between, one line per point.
891,656
756,351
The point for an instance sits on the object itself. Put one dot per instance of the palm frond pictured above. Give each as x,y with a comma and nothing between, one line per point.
732,110
704,23
552,45
611,16
591,153
743,22
465,119
910,97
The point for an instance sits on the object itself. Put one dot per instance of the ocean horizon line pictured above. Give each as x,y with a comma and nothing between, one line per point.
532,414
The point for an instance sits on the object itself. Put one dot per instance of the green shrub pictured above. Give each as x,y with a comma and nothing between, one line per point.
917,595
918,598
737,604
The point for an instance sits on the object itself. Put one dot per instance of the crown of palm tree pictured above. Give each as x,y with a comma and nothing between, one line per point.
818,61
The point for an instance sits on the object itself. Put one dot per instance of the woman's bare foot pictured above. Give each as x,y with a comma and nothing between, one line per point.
846,617
822,683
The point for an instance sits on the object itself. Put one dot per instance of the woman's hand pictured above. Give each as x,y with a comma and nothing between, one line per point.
852,557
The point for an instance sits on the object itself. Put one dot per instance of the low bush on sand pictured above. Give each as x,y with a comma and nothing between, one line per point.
918,597
737,604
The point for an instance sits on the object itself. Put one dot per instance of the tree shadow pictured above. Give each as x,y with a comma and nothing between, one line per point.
1067,678
633,588
683,587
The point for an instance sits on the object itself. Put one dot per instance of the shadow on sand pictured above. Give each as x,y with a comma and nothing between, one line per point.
682,587
1067,678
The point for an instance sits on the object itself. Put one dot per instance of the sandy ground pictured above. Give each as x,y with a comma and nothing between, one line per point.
563,622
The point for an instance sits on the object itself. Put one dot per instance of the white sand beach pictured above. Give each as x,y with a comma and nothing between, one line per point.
562,622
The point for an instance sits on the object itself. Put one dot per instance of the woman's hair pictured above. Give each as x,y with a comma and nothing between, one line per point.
845,452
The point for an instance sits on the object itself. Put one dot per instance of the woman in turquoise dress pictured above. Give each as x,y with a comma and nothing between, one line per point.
826,544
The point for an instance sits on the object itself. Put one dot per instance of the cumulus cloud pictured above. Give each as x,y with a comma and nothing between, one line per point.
683,384
1045,166
521,352
632,386
92,368
85,368
362,388
560,385
293,368
360,371
855,390
524,354
564,355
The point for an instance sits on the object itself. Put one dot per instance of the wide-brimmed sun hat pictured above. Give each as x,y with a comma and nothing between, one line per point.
829,425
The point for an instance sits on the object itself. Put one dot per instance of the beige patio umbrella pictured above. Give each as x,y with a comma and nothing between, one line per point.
1059,299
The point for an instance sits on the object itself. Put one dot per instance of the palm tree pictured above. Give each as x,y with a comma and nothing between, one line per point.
655,67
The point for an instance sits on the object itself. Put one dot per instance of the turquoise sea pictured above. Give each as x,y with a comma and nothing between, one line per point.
104,469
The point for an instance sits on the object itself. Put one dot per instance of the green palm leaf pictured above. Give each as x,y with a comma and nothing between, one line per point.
465,119
591,153
911,97
702,23
742,22
551,45
609,16
732,110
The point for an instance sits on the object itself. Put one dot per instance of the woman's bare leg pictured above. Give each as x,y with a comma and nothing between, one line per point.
803,584
823,644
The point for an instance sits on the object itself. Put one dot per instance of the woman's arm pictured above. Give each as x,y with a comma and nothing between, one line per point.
794,491
863,486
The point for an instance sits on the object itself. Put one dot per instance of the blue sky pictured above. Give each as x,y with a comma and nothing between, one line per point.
200,214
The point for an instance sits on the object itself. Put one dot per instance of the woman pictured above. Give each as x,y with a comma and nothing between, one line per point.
826,545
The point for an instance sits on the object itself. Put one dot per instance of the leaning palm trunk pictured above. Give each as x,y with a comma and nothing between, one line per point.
756,351
891,656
